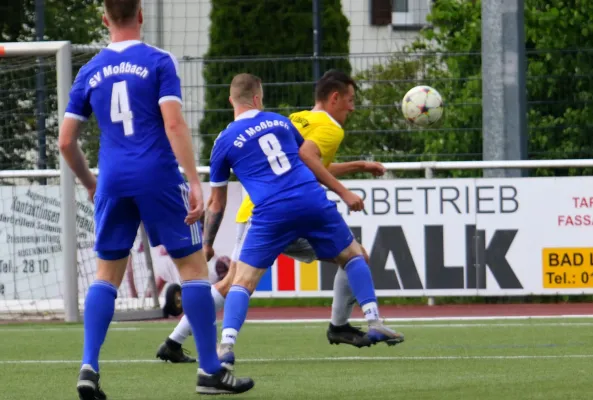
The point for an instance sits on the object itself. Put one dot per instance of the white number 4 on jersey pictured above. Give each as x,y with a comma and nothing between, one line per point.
120,107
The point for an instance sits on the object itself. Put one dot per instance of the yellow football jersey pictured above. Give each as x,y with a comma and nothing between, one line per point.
316,126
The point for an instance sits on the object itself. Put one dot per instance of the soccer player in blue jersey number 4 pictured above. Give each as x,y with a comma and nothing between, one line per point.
135,93
262,149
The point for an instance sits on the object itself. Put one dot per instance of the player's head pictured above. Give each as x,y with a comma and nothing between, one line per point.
246,92
222,266
122,14
335,92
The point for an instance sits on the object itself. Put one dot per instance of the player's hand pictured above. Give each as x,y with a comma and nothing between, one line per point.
353,201
91,191
196,204
375,168
208,252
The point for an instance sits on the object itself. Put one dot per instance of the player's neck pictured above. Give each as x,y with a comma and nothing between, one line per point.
125,34
241,109
321,107
318,107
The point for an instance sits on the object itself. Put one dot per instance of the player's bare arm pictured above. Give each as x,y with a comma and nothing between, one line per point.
309,153
181,143
352,167
72,153
208,249
214,214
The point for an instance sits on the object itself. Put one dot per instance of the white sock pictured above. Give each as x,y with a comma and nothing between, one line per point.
343,301
371,311
181,331
229,336
87,367
183,328
218,299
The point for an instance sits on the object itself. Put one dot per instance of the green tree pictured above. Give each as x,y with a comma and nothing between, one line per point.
446,56
64,20
276,46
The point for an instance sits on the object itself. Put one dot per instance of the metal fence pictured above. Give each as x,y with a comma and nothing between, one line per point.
377,128
559,106
558,85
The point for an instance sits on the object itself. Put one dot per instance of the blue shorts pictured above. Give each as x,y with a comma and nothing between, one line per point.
117,220
321,225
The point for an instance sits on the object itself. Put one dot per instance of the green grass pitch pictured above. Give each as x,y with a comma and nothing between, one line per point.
498,359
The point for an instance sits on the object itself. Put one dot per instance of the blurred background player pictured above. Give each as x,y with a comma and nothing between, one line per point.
218,269
166,274
165,269
267,154
322,129
134,91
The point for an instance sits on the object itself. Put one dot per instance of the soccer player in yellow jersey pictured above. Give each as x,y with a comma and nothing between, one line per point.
322,130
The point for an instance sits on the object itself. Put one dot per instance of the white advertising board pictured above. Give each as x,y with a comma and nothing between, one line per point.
463,237
512,236
437,237
31,260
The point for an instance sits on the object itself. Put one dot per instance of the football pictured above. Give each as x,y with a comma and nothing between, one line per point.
422,106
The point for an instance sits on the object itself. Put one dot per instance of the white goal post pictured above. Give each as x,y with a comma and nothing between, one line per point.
50,279
62,51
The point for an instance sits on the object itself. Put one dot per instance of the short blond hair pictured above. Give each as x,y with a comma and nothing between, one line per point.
244,87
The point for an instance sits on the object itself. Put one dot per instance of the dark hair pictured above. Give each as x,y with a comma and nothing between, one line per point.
333,81
121,12
244,87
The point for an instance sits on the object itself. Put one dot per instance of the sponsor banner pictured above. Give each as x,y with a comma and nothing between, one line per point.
424,237
31,259
462,237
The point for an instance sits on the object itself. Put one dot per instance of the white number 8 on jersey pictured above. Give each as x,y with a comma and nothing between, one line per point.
276,157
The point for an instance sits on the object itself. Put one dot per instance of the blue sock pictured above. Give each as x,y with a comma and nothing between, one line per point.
198,305
98,312
235,312
360,280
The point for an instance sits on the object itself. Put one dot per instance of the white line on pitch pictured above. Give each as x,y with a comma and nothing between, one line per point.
330,359
167,327
427,319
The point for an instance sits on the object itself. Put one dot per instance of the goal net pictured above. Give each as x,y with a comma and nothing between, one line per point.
36,217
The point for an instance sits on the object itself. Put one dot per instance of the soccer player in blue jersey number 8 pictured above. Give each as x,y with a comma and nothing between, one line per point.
135,93
262,149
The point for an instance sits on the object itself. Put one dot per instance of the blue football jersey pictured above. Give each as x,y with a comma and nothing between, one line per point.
262,149
124,86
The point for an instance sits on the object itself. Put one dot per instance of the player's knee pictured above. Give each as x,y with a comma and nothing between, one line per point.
111,266
248,284
248,281
365,254
190,262
248,276
350,252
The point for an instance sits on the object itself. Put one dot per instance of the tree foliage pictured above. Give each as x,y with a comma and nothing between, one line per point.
74,20
242,31
559,47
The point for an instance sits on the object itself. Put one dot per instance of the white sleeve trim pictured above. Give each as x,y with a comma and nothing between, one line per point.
170,98
175,63
75,116
219,184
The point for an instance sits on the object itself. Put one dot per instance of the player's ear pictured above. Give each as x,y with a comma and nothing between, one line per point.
140,16
105,20
231,101
334,97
